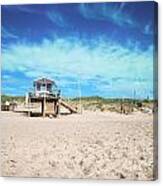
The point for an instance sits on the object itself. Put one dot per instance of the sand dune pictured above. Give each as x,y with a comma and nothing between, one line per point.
92,145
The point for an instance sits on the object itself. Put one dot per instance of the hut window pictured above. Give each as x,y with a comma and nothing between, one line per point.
49,87
38,87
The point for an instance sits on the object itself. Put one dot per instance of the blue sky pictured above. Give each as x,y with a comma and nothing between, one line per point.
105,49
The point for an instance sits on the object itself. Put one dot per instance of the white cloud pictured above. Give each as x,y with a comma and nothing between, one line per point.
72,58
114,13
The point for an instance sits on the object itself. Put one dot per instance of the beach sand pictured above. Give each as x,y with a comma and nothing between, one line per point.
101,145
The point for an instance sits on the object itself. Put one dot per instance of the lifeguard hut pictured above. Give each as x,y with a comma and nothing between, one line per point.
47,95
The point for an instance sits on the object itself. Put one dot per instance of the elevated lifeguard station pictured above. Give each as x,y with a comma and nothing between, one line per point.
47,95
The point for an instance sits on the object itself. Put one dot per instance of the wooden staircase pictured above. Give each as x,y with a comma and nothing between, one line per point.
67,106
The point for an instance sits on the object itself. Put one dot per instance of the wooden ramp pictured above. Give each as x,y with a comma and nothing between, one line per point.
67,106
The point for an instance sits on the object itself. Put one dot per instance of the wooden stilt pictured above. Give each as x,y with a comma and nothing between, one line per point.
55,108
58,108
44,106
29,113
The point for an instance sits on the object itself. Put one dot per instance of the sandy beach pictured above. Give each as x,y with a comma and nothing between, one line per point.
101,145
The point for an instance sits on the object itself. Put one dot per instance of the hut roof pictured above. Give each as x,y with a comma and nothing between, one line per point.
44,81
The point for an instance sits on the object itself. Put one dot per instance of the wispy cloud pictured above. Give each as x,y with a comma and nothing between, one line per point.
148,29
71,58
114,13
25,8
57,18
7,34
22,8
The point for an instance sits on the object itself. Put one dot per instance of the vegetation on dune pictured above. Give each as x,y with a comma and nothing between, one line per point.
9,98
94,103
111,100
108,104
